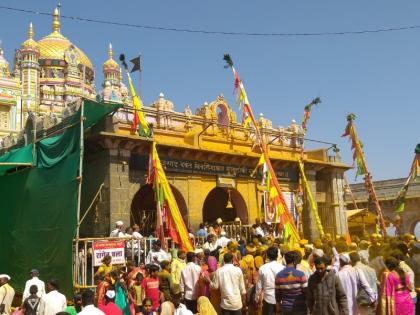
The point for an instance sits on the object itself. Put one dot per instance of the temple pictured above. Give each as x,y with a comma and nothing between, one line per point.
209,157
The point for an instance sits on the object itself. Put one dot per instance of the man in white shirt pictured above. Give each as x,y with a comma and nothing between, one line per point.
180,309
119,230
34,281
156,254
222,241
7,293
52,302
211,243
265,288
87,301
136,232
230,280
188,283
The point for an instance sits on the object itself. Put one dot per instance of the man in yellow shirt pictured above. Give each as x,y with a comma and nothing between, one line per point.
178,264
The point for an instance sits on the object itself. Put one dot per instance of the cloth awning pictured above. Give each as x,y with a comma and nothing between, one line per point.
358,217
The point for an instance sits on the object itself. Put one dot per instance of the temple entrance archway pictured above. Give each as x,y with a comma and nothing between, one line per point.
216,206
143,208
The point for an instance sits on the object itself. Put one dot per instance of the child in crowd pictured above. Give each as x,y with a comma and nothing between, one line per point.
148,307
136,293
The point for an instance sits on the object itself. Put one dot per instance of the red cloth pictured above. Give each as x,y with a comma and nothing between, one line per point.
110,309
151,289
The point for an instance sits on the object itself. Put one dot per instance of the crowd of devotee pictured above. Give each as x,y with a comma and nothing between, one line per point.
263,274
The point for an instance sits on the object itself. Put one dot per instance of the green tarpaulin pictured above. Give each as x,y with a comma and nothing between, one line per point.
38,205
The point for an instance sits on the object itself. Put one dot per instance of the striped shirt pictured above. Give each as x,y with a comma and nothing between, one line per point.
290,285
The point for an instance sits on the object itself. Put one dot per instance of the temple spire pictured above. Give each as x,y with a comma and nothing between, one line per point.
56,21
110,53
30,31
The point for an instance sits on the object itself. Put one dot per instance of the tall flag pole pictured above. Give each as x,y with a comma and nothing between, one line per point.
167,208
361,167
275,198
412,176
303,181
139,121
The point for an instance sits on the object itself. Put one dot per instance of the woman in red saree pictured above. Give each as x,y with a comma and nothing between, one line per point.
395,298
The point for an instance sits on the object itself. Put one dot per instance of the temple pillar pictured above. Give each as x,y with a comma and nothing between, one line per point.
338,207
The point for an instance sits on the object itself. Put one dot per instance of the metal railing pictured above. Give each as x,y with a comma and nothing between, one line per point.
84,269
135,250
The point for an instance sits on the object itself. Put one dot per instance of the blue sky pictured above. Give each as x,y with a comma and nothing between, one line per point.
376,76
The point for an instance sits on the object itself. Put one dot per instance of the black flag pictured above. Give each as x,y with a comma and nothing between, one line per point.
136,64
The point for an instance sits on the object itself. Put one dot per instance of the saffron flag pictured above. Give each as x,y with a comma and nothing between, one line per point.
167,208
275,207
310,197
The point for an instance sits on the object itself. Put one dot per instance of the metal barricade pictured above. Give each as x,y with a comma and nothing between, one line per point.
135,250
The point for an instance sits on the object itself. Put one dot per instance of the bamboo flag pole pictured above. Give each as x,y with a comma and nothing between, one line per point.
244,103
362,168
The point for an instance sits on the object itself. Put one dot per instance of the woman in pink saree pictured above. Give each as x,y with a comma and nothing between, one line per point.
395,291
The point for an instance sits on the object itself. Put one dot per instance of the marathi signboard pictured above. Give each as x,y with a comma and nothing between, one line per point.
116,249
210,168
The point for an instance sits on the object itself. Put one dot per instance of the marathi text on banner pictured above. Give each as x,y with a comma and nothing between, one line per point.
116,249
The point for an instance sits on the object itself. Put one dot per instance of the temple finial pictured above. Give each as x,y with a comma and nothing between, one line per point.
30,31
110,53
56,21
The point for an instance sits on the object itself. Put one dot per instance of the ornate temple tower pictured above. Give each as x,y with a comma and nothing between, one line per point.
10,100
111,87
29,74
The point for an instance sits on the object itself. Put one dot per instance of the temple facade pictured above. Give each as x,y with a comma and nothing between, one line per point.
209,157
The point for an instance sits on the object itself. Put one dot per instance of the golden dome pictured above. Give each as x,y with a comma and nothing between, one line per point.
110,64
53,46
30,43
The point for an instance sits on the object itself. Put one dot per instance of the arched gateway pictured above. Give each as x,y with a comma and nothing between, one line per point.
216,205
143,208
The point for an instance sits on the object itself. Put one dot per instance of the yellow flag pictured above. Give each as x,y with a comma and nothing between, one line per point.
311,199
138,113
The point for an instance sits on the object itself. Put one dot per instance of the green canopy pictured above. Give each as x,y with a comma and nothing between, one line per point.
38,210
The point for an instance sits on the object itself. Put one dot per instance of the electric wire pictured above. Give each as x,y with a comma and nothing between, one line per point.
210,32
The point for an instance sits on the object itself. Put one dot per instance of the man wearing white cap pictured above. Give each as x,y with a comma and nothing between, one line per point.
352,281
34,281
7,293
119,230
110,308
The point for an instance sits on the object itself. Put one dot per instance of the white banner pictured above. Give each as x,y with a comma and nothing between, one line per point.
116,249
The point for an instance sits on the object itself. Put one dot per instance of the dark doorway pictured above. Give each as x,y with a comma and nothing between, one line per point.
143,208
216,206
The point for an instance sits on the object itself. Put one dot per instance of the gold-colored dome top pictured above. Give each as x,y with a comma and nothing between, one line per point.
4,65
30,42
110,63
54,45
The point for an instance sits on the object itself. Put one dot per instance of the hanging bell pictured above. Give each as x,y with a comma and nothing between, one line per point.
229,203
